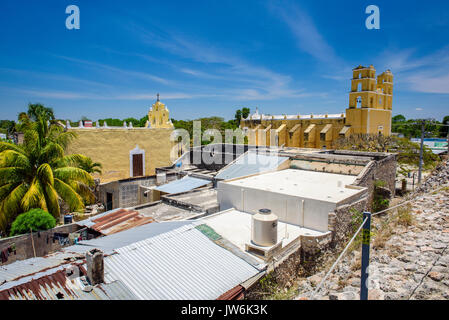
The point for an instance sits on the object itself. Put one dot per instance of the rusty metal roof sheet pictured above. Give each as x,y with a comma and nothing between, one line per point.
56,285
116,221
30,266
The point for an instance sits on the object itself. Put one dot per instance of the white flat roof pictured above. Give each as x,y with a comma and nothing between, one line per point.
235,226
301,183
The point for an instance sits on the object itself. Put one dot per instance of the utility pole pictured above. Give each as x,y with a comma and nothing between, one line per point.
448,141
366,238
423,123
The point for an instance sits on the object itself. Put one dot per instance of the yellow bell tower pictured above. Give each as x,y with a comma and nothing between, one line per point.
370,101
158,116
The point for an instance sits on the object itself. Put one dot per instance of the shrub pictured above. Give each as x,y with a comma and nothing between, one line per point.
405,217
35,219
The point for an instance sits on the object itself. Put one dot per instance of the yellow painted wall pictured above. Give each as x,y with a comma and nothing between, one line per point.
111,148
370,116
291,132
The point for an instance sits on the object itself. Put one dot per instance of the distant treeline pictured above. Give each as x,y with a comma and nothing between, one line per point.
411,128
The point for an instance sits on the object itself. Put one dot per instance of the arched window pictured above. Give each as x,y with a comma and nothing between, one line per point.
359,102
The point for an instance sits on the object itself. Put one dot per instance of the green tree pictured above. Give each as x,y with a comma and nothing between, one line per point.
7,126
239,114
37,110
444,129
134,121
143,121
38,174
398,118
35,220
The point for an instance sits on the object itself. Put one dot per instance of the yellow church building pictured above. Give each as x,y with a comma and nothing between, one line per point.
369,112
126,152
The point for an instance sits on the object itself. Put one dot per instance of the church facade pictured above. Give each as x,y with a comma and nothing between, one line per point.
369,112
127,152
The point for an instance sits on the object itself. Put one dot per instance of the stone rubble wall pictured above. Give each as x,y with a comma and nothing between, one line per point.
413,263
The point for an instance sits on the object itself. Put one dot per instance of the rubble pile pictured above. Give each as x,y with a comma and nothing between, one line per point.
439,177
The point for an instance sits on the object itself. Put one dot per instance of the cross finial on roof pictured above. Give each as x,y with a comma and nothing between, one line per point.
157,97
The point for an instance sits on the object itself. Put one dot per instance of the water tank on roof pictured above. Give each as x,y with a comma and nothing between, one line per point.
264,228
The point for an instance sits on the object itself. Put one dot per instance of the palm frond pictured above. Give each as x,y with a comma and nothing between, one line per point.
11,174
83,190
12,158
11,146
51,152
10,207
67,174
52,197
71,160
6,189
34,197
45,174
64,138
69,195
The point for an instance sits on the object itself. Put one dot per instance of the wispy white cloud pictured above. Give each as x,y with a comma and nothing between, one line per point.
75,95
302,26
241,80
115,70
426,74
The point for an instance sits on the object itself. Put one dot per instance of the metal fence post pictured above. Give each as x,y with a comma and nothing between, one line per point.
366,235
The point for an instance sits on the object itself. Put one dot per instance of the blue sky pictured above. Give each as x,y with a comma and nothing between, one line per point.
211,57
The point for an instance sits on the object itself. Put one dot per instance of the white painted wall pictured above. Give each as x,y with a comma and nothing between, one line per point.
287,207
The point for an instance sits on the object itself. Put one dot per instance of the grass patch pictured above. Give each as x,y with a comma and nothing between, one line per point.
404,216
272,291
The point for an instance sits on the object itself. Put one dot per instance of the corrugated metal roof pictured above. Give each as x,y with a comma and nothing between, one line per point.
177,265
116,221
117,240
182,185
250,163
23,268
56,285
26,267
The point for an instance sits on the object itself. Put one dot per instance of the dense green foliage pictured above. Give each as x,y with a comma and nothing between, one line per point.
35,220
412,129
7,126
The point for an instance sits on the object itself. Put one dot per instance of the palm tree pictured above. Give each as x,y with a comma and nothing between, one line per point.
38,174
37,110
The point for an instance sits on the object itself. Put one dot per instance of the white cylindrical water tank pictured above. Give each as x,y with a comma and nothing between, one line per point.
161,178
264,228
